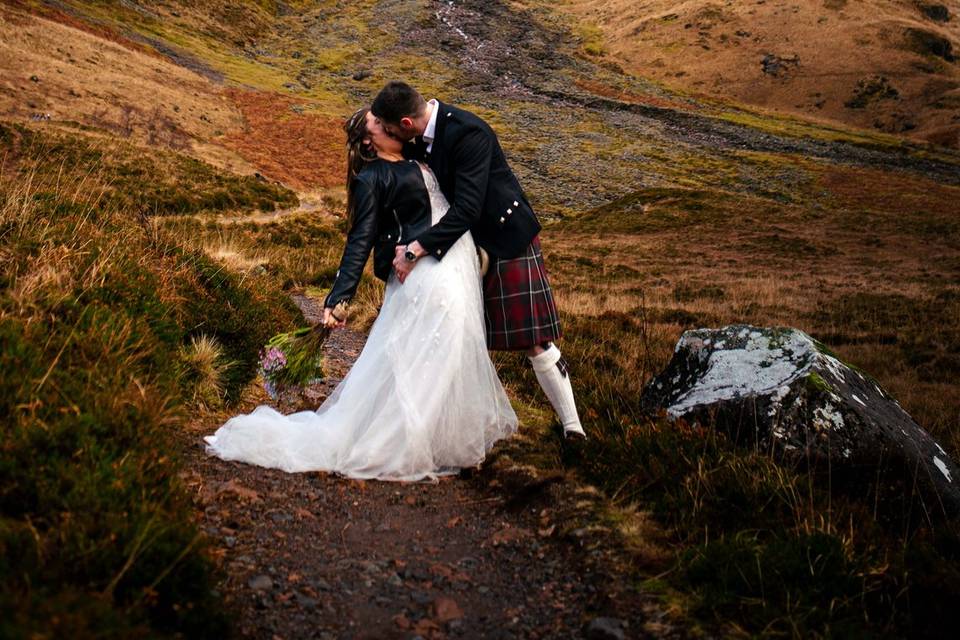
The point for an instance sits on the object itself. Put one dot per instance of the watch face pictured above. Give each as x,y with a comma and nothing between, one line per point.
410,255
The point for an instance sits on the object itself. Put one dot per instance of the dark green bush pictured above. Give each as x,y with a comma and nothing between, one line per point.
96,534
796,584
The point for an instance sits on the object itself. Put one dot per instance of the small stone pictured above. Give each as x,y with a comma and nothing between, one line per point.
260,583
306,602
605,629
446,609
230,541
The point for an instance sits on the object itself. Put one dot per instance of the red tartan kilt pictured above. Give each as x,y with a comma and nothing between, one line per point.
520,311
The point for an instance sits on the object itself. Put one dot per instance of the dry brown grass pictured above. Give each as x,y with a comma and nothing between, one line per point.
301,149
876,277
83,78
54,14
716,49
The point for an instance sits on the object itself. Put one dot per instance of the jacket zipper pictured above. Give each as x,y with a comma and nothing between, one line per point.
399,226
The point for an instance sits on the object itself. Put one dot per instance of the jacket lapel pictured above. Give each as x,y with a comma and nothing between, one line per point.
438,152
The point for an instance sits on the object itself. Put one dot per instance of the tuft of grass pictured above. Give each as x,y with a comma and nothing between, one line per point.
204,368
591,39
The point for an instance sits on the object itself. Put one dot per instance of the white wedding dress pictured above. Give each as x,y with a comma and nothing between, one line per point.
422,400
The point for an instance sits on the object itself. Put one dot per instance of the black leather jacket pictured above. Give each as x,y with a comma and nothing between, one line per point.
391,206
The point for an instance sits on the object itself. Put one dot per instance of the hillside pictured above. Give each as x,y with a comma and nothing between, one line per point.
171,172
890,65
137,73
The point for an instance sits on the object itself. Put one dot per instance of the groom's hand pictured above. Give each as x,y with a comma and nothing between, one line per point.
401,265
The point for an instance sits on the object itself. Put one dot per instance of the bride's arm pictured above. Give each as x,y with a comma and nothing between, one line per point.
360,239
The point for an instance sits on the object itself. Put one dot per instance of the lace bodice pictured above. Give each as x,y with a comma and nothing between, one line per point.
438,201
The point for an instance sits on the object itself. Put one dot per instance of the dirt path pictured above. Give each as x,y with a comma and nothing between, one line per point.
316,556
308,205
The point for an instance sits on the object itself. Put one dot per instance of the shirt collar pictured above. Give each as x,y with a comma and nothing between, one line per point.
431,131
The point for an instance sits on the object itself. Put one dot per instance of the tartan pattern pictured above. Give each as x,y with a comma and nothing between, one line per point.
520,311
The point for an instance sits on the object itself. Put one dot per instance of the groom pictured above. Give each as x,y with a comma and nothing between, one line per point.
487,200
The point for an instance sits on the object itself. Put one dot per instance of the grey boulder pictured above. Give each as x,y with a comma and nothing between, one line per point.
779,388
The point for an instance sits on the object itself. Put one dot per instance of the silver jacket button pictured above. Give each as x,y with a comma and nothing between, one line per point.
516,204
502,219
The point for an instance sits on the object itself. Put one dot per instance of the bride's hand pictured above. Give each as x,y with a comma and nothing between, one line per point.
401,265
330,321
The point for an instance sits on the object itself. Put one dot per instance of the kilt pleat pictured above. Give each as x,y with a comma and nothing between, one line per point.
520,310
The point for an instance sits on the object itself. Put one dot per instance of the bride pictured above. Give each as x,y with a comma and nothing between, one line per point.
423,398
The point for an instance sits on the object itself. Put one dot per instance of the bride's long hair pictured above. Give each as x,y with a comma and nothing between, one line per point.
359,152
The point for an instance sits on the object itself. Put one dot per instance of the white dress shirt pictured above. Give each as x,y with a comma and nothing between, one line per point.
431,131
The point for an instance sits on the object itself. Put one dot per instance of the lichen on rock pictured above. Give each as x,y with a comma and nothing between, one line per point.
779,388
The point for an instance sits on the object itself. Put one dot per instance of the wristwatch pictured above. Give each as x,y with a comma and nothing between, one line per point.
410,255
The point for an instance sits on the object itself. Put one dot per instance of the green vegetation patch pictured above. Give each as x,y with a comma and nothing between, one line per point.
100,321
924,330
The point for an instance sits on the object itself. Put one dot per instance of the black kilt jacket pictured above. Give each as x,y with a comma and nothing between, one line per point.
485,196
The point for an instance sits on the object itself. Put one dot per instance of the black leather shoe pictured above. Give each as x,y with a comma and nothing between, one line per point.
568,436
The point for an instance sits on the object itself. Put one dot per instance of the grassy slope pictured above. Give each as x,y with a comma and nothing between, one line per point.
663,230
842,48
106,327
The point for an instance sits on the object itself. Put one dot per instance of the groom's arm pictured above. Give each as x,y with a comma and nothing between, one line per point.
471,161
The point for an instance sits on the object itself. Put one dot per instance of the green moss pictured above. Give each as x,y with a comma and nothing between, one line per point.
816,383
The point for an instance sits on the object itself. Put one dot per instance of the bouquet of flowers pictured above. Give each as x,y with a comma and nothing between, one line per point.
290,361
